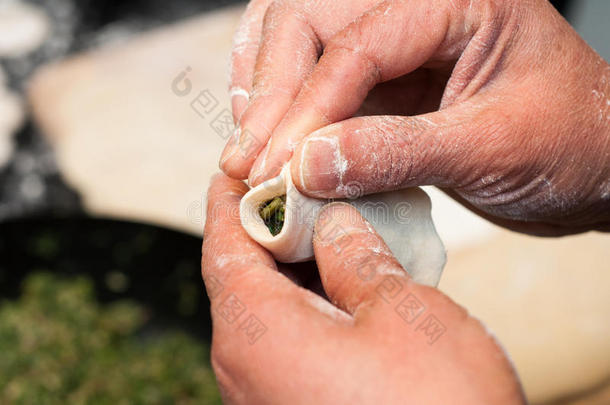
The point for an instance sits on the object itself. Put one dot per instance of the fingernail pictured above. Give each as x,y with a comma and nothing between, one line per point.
322,165
331,211
258,168
230,147
337,223
239,102
254,179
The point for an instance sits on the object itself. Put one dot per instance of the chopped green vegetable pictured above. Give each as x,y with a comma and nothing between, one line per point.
272,213
59,345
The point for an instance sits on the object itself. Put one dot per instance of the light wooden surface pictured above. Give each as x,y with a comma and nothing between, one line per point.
124,138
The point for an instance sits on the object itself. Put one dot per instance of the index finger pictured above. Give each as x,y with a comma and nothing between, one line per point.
228,253
243,55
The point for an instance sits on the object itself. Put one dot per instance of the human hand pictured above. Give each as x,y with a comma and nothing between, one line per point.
522,131
385,339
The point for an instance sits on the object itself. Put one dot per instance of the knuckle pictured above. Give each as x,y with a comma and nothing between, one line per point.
218,357
352,48
221,360
284,13
344,42
275,10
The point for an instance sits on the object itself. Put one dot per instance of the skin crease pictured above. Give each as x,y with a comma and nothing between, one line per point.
500,103
357,350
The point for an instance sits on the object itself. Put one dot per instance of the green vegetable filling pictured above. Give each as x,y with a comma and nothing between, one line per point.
272,213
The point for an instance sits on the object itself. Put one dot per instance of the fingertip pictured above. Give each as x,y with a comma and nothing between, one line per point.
233,162
255,179
340,224
295,168
239,102
227,158
255,175
251,135
337,221
220,184
319,165
336,211
217,181
234,169
350,254
216,178
267,166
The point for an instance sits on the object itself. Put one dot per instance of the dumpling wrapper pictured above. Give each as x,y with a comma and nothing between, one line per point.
402,218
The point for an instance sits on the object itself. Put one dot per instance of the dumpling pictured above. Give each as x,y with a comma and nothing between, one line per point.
284,225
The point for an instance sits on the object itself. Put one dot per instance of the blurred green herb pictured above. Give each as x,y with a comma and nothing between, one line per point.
59,346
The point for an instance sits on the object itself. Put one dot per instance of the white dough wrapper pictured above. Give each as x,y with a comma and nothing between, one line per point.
402,218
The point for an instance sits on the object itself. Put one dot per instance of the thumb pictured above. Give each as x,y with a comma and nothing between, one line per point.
366,155
352,258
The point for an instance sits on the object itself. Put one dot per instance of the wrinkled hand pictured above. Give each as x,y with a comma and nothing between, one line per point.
501,103
385,340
